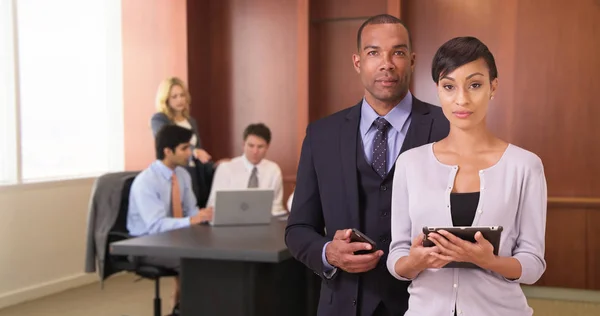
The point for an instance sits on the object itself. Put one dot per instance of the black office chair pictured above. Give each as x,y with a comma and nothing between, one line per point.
115,263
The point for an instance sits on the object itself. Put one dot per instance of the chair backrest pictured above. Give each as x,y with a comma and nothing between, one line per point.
121,222
118,232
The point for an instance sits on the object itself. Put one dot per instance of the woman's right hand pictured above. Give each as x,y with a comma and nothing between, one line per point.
419,259
202,155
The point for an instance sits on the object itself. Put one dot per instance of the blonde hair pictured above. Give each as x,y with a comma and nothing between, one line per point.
162,97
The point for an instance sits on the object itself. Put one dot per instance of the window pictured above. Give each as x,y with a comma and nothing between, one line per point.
69,88
8,119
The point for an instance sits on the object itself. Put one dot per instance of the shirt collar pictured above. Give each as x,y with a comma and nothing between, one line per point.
397,117
162,169
248,165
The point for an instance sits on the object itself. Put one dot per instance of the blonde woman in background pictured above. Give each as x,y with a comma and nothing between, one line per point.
173,107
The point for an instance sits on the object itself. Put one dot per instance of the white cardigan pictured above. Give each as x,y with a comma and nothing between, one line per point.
512,195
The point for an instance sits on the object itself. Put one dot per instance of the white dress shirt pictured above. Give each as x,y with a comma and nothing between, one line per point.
194,141
290,201
186,124
234,175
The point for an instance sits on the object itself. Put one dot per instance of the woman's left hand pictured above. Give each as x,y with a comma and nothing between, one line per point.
453,248
202,155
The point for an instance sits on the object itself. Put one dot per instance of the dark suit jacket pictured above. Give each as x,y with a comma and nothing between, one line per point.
105,202
326,196
159,120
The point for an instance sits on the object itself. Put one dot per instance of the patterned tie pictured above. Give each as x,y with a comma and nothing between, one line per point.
253,181
379,158
176,197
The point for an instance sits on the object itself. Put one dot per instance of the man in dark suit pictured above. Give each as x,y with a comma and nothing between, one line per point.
345,177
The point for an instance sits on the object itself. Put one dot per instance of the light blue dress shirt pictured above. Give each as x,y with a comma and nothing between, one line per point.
399,117
150,209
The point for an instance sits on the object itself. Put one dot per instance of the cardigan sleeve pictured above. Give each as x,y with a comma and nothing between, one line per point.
530,244
401,222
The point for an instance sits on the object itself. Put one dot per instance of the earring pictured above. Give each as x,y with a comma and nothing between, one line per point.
492,97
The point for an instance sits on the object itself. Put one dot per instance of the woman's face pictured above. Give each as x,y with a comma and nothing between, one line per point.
465,93
177,100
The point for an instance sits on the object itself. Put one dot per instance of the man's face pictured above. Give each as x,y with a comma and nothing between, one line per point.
255,148
385,62
181,155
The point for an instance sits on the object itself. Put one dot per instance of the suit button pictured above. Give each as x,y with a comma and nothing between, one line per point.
383,239
384,214
354,302
383,188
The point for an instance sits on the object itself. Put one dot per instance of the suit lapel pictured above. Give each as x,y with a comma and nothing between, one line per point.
420,126
348,141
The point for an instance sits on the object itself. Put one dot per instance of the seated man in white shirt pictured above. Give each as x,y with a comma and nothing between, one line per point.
251,170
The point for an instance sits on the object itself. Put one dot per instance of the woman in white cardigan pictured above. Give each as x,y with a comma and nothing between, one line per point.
470,178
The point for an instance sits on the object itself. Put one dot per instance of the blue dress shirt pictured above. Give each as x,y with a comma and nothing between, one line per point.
399,117
150,210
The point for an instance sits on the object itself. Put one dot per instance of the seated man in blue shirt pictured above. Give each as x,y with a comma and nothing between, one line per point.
162,198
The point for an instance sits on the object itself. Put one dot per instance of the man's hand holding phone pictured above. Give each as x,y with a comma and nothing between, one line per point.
340,252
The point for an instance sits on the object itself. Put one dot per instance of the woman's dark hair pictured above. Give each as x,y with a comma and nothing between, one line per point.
170,136
460,51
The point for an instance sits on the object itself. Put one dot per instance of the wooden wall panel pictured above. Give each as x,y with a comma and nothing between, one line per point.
565,248
199,52
344,9
245,72
394,8
334,84
593,247
556,102
209,49
263,73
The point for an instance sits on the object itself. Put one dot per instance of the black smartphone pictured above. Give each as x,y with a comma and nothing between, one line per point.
357,236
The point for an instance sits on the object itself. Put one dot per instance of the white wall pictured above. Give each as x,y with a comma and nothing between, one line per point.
42,226
42,239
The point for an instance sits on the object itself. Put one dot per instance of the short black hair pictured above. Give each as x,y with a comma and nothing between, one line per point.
261,130
381,19
170,136
460,51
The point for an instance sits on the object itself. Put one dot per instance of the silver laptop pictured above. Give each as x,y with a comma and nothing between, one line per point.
242,207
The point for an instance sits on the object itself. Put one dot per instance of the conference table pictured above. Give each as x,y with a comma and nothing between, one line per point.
233,270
